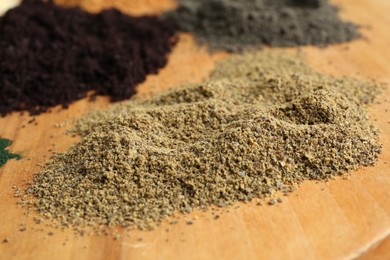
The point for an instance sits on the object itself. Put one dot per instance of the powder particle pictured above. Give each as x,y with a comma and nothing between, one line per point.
5,155
22,228
262,123
272,202
51,55
234,25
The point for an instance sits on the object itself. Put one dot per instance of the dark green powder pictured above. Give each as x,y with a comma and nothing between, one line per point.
5,155
234,25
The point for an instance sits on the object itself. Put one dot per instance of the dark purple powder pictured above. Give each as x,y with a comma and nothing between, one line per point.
50,55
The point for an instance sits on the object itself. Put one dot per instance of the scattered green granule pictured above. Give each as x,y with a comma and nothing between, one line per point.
5,155
262,123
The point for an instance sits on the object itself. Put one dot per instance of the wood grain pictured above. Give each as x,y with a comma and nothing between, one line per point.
378,252
342,219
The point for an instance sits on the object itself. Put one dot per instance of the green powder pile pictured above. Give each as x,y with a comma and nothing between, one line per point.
5,155
262,123
235,25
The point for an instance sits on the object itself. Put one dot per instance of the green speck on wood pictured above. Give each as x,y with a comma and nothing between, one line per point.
5,155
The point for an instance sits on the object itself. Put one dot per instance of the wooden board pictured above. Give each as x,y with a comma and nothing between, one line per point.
339,219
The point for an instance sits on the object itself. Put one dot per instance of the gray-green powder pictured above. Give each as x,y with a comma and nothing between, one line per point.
234,25
262,123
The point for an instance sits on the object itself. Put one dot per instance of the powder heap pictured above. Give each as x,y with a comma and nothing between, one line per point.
233,25
132,7
262,123
51,55
5,155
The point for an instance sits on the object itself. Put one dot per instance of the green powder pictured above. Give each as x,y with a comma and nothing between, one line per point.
261,124
5,155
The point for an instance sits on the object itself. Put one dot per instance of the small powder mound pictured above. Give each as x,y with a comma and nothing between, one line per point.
5,155
50,55
262,123
234,25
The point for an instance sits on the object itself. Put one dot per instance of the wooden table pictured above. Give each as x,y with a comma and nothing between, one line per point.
339,219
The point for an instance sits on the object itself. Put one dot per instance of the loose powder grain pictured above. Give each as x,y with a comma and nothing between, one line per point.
50,55
262,123
234,25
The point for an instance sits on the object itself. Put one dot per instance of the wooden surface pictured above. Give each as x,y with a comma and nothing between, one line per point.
6,5
342,219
